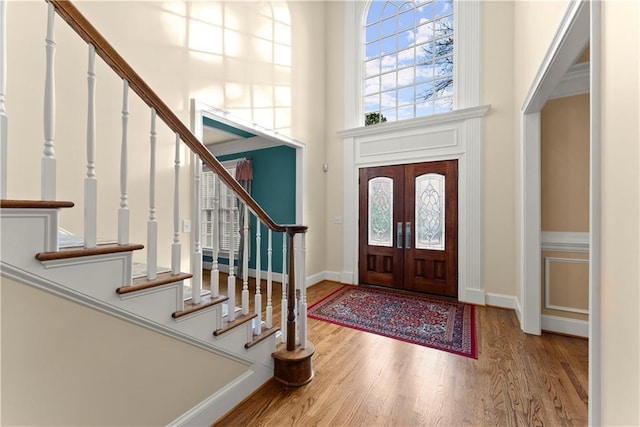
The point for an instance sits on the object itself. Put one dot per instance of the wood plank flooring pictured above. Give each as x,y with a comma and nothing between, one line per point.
363,379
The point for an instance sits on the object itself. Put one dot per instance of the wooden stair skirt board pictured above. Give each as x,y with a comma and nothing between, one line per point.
294,368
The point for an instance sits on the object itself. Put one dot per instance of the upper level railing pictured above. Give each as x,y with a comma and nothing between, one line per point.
99,46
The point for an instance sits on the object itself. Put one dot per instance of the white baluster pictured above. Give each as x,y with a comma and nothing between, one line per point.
176,247
3,107
283,305
152,224
269,313
245,262
302,304
48,183
215,269
90,182
123,212
196,260
258,297
231,280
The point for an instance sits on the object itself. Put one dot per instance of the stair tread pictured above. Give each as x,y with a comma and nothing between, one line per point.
190,307
75,252
263,336
243,318
161,279
35,204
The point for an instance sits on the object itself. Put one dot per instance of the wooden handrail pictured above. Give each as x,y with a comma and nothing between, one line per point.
90,34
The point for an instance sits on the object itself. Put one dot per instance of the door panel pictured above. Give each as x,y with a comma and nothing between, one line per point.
381,193
408,229
431,206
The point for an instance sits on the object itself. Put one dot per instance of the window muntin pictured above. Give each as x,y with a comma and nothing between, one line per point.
408,66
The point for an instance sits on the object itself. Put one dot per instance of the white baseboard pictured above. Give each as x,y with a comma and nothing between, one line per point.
224,268
505,301
501,300
310,281
519,312
563,325
347,278
225,399
321,276
475,296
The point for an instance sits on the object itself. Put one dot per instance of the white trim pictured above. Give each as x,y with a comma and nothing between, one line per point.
467,57
311,280
419,123
501,300
574,82
314,279
530,225
570,40
580,25
225,399
547,284
565,241
595,200
564,325
224,268
437,138
247,144
568,43
199,110
49,218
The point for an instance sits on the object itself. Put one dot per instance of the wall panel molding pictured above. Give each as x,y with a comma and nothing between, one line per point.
565,241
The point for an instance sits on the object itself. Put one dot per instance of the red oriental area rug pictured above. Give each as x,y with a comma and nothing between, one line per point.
437,323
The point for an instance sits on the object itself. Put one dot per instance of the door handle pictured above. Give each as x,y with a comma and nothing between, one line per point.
407,236
399,236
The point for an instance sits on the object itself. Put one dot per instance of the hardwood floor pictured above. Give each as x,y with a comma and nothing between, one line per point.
363,379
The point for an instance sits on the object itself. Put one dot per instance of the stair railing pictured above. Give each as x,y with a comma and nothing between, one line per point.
295,316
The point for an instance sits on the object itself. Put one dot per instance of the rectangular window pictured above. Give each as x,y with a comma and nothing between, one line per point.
227,213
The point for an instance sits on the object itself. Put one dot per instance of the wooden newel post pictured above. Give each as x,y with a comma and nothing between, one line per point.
293,365
291,294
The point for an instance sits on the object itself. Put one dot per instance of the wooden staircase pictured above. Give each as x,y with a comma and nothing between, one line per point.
101,275
92,275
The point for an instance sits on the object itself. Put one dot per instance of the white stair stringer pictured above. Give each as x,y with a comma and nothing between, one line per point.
92,281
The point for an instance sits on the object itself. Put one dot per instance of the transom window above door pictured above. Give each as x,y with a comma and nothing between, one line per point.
408,59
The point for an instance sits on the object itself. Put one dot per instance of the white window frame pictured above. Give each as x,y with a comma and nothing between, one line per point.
467,30
226,200
417,104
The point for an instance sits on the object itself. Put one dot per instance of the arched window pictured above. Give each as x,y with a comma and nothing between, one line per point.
408,59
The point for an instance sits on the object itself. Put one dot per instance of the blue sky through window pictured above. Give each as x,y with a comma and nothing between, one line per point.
409,58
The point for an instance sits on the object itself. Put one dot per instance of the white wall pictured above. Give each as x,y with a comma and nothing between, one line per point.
334,122
247,57
498,168
66,364
620,273
535,25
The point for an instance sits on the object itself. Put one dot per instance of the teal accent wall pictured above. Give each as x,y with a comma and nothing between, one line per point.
274,188
222,126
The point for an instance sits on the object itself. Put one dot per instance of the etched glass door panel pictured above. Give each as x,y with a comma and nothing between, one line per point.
380,212
430,211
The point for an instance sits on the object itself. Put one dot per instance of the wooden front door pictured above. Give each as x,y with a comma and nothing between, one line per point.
408,232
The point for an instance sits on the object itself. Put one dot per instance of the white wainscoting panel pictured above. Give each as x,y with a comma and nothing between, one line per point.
547,284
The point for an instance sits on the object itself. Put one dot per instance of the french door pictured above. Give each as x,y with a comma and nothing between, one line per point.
408,228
